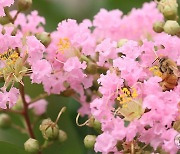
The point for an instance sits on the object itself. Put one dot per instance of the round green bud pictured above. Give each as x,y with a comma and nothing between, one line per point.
170,12
89,141
97,125
158,26
52,132
5,120
62,136
44,37
171,27
24,5
4,20
49,129
121,42
31,146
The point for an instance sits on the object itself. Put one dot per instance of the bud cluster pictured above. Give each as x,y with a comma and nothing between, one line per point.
169,9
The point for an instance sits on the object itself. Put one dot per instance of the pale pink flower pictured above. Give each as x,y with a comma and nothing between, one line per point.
136,25
8,99
79,35
105,143
32,23
34,48
107,50
54,84
39,107
131,49
107,24
110,83
9,41
41,71
130,69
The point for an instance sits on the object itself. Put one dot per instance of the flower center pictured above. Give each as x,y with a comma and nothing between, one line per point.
63,44
155,70
9,56
126,95
12,69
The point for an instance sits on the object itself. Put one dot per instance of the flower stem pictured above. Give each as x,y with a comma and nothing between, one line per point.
6,10
11,19
25,112
41,96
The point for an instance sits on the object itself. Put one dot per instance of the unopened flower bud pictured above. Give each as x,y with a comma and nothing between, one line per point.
62,136
44,37
89,141
121,42
5,120
171,27
24,5
91,68
31,146
170,12
158,26
49,129
97,125
4,20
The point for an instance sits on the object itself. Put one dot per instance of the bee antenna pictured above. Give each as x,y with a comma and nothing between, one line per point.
155,60
156,56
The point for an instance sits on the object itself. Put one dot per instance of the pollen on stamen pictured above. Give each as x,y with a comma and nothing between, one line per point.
63,44
127,95
155,70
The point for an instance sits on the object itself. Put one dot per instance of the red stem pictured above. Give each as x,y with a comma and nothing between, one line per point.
25,112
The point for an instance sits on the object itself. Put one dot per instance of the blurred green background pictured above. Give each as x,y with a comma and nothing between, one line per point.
54,11
57,10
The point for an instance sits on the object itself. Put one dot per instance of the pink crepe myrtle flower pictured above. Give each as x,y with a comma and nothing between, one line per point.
39,107
102,145
170,46
31,23
107,50
131,49
9,41
54,84
34,48
131,72
136,25
78,34
40,71
109,83
8,98
107,24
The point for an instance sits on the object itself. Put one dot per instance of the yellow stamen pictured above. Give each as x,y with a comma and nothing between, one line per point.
10,56
155,70
63,44
134,93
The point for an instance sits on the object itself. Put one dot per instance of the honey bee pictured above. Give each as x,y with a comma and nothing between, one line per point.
169,73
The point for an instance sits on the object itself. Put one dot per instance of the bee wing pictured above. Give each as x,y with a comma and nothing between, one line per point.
175,70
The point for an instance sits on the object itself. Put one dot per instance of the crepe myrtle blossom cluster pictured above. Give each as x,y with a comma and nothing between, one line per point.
122,69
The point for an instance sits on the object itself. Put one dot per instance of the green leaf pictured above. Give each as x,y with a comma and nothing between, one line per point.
8,148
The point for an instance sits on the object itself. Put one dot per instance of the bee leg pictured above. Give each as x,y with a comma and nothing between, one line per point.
167,86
